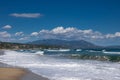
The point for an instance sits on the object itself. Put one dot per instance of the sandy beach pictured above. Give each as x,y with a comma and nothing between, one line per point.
8,72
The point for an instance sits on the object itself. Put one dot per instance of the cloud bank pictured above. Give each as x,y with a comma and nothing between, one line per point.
34,34
73,34
69,33
5,34
19,33
26,15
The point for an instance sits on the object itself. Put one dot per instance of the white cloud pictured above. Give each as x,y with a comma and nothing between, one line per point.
61,30
115,35
5,34
110,36
7,27
26,15
19,34
34,34
24,38
87,31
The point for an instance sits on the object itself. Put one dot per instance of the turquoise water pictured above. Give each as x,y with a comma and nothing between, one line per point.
101,55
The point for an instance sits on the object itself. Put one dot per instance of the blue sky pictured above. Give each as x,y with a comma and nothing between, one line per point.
97,21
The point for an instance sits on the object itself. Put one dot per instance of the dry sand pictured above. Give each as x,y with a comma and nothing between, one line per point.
11,73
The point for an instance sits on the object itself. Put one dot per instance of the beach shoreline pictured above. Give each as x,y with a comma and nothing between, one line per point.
9,72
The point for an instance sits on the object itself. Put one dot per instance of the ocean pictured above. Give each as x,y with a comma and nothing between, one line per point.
66,64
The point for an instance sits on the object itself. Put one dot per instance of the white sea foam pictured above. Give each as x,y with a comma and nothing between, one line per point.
58,50
40,53
93,51
64,50
108,52
78,49
63,69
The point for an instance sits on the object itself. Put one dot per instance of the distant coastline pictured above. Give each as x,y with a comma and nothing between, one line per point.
55,44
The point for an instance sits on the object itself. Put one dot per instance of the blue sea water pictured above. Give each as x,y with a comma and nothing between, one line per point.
66,64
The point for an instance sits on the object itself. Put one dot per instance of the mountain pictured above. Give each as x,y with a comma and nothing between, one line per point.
64,43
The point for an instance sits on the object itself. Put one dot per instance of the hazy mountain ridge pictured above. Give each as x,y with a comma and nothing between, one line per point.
65,43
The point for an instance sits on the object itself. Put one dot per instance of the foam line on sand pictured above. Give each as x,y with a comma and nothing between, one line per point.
8,72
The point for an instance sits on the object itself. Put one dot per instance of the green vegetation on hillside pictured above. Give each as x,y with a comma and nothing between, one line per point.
7,45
